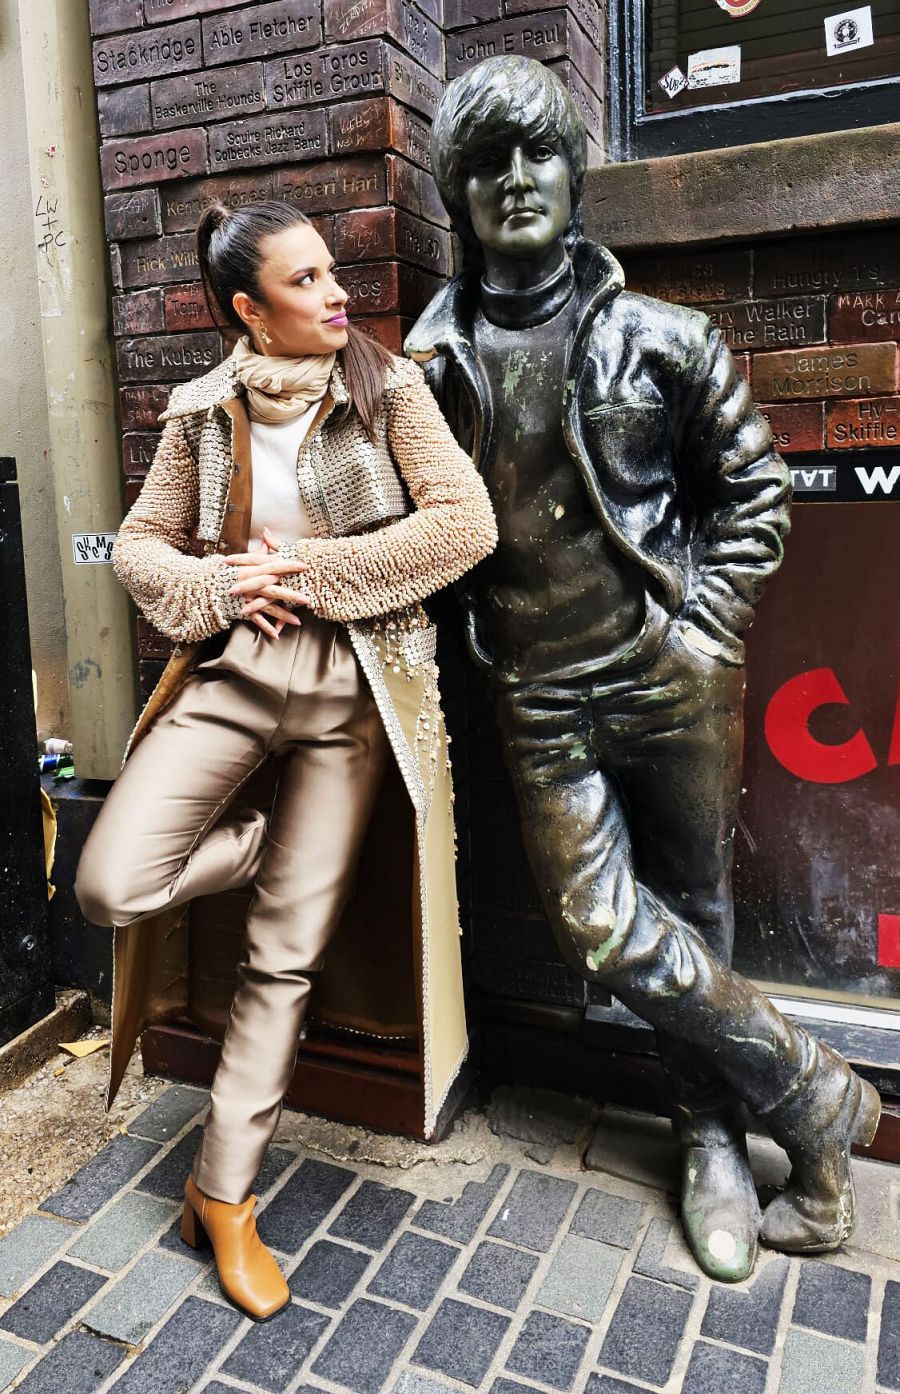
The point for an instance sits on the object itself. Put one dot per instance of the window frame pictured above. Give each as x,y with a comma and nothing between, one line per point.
637,135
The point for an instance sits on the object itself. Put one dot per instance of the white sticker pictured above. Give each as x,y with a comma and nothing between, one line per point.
852,29
673,82
713,67
92,548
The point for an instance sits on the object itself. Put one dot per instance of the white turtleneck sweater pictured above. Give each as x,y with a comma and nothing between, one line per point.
276,493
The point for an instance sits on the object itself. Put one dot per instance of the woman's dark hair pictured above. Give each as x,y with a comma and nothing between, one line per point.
488,104
229,254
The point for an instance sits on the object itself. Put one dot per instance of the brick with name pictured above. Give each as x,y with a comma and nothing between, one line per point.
415,190
140,407
137,312
138,450
379,124
341,70
868,425
132,214
109,16
166,358
152,159
847,261
151,53
399,20
589,105
390,330
261,31
159,260
208,96
333,186
754,324
865,314
185,307
693,279
846,370
551,34
371,234
796,425
123,111
183,204
276,138
585,12
462,14
160,10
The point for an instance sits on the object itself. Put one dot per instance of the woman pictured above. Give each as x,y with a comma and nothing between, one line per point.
299,637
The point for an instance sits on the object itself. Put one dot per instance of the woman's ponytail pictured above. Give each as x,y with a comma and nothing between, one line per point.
211,220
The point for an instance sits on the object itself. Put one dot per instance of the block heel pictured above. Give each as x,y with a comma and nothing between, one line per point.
192,1231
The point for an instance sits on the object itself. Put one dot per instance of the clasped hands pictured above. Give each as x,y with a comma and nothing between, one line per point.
259,582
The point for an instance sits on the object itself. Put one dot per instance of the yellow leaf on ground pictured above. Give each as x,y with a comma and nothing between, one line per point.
79,1048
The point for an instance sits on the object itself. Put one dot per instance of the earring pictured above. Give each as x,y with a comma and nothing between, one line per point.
263,333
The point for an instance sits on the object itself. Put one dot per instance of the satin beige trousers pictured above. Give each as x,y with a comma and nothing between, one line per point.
165,835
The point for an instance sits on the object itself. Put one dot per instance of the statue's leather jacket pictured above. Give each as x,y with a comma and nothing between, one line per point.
677,461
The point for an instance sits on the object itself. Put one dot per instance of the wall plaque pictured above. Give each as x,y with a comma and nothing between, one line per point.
140,312
159,260
167,358
132,215
851,370
865,314
752,324
151,53
691,280
152,159
865,261
865,425
276,138
123,110
208,96
796,425
333,186
345,70
397,19
183,204
260,31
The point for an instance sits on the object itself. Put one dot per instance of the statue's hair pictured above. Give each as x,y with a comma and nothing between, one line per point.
496,99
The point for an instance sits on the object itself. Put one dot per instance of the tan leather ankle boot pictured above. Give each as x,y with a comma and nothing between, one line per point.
248,1274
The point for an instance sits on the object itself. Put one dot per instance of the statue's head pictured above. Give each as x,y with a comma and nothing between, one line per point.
509,151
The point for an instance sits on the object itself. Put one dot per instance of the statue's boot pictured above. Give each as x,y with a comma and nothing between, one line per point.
814,1105
719,1207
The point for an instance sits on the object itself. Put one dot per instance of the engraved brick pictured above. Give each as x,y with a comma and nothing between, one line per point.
692,280
152,159
182,205
863,425
185,307
138,449
261,30
132,492
370,234
386,287
588,103
166,358
276,138
409,82
140,312
151,53
846,370
755,324
109,16
140,407
552,34
333,187
864,261
159,260
124,110
208,96
864,314
585,12
397,19
132,215
379,124
389,330
150,643
413,189
158,11
461,14
339,71
150,670
797,425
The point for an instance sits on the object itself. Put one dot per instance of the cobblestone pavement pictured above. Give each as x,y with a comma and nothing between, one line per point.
508,1271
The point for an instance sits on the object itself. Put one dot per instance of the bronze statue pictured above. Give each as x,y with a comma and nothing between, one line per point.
641,508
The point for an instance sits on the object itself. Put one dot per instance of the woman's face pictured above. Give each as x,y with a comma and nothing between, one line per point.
303,308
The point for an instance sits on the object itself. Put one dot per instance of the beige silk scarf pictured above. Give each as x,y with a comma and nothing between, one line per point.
280,388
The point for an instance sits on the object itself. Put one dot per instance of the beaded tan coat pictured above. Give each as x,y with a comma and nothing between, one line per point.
396,519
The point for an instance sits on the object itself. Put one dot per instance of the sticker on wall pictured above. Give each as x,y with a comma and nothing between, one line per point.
673,82
713,67
850,30
736,8
92,548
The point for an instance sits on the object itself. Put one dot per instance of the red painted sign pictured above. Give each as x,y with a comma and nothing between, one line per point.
736,8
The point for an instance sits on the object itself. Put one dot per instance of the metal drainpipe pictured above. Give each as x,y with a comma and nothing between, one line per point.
63,156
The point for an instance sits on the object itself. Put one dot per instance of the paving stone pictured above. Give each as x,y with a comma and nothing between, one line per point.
411,1382
645,1331
79,1364
301,1205
509,1386
49,1303
533,1210
413,1270
364,1346
272,1352
27,1248
606,1384
608,1218
168,1114
815,1365
180,1352
172,1242
748,1318
713,1370
649,1262
136,1302
372,1214
329,1273
834,1300
461,1341
276,1161
167,1178
549,1349
458,1219
889,1340
498,1274
581,1277
115,1237
100,1178
12,1360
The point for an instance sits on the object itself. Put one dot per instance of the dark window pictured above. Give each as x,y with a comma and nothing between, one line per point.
703,74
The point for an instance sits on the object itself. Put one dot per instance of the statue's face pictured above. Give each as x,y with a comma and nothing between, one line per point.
519,196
